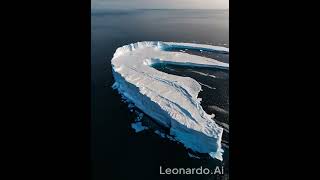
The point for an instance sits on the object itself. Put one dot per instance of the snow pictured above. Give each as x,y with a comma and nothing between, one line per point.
169,99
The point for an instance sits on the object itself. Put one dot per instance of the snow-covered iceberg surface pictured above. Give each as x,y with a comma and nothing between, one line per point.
169,99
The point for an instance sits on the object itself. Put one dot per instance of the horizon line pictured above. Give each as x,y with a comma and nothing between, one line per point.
155,9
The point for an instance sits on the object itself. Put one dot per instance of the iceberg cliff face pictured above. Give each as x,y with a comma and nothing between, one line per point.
169,99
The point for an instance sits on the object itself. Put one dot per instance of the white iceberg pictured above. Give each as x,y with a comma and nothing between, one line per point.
169,99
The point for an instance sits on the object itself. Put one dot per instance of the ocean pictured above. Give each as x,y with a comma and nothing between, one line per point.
117,152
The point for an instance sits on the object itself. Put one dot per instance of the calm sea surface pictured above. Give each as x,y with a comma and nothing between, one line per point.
117,152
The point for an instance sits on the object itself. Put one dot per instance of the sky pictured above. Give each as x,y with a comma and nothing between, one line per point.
159,4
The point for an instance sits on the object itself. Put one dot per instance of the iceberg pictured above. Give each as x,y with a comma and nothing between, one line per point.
172,101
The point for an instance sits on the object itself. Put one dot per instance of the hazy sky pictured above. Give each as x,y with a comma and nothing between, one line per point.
160,4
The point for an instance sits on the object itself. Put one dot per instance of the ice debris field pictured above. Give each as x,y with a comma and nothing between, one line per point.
170,100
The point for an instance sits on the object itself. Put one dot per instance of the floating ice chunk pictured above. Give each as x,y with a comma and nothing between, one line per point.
161,134
193,156
138,127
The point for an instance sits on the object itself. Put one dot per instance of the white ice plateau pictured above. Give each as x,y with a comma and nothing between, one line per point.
170,100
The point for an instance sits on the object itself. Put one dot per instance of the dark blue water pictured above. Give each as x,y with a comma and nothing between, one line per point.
117,152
